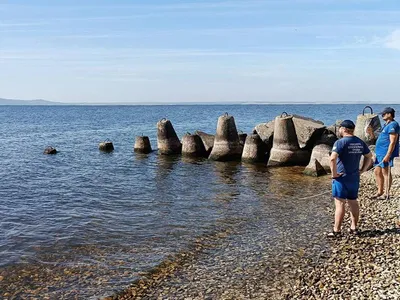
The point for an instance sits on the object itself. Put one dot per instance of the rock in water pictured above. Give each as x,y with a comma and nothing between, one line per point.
253,149
167,140
314,168
192,145
226,144
142,144
50,150
286,150
106,146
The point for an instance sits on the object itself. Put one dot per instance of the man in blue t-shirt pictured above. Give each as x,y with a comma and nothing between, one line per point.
387,148
345,164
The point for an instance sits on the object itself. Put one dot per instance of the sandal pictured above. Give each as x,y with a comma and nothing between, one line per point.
354,231
376,196
334,234
383,197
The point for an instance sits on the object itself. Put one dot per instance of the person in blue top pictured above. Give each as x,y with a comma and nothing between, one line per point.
386,149
345,164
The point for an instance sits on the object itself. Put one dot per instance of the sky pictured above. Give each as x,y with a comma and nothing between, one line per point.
161,51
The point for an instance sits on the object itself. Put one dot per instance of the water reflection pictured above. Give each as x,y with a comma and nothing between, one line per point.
166,164
193,160
227,173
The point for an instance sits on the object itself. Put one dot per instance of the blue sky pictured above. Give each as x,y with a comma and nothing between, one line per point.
201,51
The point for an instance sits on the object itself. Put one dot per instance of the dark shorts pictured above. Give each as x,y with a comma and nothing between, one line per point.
345,188
379,162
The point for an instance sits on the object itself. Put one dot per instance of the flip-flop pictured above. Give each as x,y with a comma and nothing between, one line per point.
334,234
383,197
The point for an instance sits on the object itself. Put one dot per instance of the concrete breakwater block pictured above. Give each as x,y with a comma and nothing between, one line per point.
334,128
226,144
253,149
372,149
242,138
266,134
396,166
192,145
106,146
314,168
207,139
308,131
50,150
368,126
142,144
322,151
286,150
167,141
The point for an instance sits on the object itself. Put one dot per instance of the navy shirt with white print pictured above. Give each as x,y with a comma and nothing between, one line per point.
350,149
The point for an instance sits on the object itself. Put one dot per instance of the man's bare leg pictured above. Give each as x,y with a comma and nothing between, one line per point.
339,213
354,213
379,181
387,178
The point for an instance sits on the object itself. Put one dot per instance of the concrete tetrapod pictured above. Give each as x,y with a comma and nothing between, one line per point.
368,127
167,140
50,150
106,146
322,152
192,145
286,150
207,139
226,144
314,168
142,144
266,133
308,131
253,149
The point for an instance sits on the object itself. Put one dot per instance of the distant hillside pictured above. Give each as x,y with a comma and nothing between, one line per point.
27,102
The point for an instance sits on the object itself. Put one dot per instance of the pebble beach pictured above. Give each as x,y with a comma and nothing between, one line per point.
366,266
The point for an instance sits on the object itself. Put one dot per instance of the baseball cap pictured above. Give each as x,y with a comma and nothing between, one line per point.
347,124
387,110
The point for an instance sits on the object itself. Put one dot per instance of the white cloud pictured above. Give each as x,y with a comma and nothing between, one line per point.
393,40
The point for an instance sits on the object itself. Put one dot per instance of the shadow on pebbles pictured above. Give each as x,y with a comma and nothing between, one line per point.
350,267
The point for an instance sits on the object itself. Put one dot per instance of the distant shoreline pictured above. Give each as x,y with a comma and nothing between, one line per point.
11,102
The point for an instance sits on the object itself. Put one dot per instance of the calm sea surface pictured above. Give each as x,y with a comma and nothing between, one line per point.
93,221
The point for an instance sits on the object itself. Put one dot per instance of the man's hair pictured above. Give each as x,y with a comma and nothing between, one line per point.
348,130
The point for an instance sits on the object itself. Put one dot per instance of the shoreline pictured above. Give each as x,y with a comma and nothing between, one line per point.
356,267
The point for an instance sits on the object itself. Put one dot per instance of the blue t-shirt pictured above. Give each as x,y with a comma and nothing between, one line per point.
383,141
350,150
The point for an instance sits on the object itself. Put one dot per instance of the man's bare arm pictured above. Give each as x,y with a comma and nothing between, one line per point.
367,162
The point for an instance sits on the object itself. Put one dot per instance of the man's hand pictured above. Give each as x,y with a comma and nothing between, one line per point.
337,175
386,159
